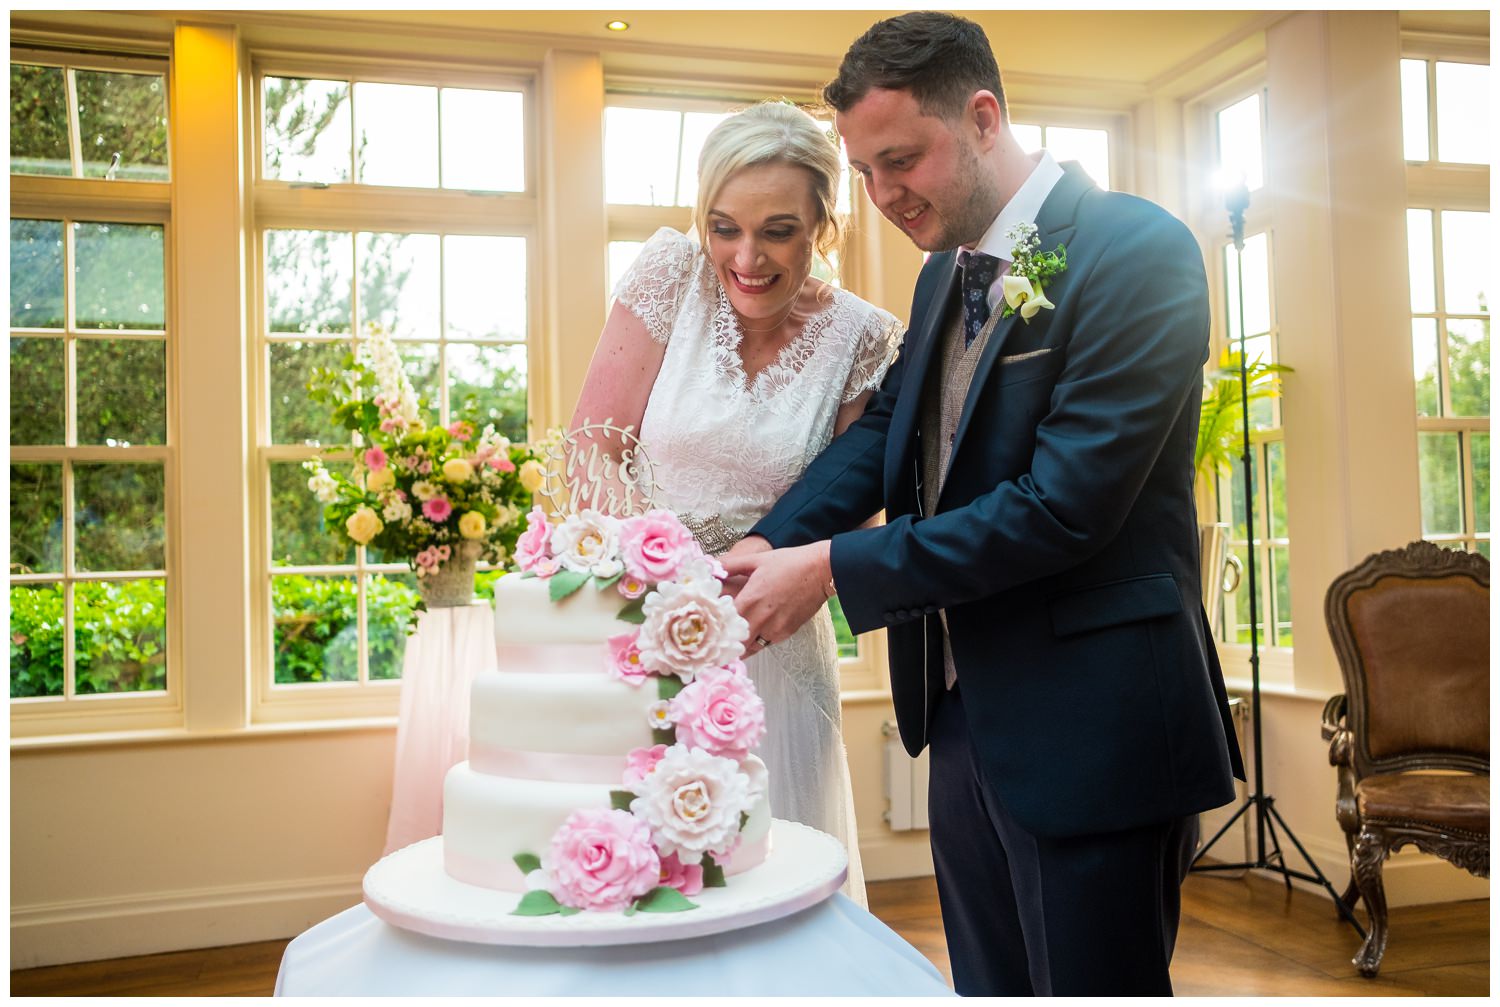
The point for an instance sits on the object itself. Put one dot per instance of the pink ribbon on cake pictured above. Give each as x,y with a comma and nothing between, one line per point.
553,658
561,767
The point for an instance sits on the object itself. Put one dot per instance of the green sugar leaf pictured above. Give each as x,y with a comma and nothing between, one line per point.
663,736
667,686
713,874
528,574
565,582
568,911
744,820
620,800
528,862
600,583
662,899
634,612
537,904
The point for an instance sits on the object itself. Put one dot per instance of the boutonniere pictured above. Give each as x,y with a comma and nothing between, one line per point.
1030,271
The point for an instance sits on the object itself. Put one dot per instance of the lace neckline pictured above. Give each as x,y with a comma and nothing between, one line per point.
789,360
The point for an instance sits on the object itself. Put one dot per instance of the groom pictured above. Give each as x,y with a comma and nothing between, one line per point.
1038,570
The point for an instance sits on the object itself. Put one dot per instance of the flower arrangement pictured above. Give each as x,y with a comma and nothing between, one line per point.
684,800
1031,270
432,495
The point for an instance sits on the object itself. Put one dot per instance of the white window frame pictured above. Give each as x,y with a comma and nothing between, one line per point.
1115,125
355,207
69,199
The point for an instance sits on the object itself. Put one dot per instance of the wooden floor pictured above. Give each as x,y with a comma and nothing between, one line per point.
1238,937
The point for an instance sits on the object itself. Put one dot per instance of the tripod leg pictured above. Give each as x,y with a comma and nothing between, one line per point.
1276,856
1205,847
1322,879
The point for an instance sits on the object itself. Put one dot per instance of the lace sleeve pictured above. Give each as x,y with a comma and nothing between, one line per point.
875,351
652,288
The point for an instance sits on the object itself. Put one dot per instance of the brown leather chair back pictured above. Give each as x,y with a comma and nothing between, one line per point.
1411,630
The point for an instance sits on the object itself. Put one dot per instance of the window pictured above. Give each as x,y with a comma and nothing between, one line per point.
1445,112
1089,147
90,336
382,206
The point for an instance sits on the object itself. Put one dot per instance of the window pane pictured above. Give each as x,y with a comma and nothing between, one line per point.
1419,260
396,134
38,121
298,535
122,391
390,600
309,276
119,516
494,378
120,273
36,274
398,284
1469,366
1240,143
295,418
1479,446
484,140
125,114
1089,147
1281,566
36,516
1424,354
1276,473
36,391
1028,136
1237,627
848,643
484,287
1466,261
315,629
422,370
1236,516
1414,109
1442,490
640,155
120,636
1257,283
307,129
695,129
621,255
1463,112
36,640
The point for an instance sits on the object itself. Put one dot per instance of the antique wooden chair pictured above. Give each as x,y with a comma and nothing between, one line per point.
1411,630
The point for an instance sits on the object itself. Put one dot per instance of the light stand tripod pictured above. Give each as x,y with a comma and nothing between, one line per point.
1267,818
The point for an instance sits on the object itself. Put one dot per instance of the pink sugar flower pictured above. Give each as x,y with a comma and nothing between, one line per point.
721,714
375,459
686,878
546,567
625,659
437,509
602,860
631,587
639,762
655,545
533,543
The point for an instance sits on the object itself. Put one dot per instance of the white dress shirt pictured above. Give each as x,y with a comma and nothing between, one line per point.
1022,209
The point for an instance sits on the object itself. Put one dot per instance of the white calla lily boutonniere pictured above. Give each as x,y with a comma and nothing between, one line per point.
1030,269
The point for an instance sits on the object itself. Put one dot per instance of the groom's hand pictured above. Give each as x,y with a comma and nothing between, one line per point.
750,545
786,587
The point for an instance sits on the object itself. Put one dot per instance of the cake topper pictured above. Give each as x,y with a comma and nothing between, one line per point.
583,474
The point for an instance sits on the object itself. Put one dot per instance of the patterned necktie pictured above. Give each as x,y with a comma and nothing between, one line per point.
980,271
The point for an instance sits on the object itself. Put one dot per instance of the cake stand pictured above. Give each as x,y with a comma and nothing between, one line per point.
410,889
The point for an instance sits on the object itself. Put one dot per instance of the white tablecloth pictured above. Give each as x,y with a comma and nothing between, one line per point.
833,949
449,649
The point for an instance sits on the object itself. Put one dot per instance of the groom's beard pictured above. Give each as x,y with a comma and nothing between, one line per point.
967,206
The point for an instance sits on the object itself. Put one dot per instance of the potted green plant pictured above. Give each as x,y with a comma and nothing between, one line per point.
1221,424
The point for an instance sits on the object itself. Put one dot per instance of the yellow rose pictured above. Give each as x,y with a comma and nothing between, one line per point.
380,479
532,474
363,525
471,525
457,470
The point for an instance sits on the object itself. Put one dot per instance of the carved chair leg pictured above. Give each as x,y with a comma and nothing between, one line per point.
1369,858
1351,891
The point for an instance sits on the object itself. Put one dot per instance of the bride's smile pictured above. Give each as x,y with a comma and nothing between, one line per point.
760,241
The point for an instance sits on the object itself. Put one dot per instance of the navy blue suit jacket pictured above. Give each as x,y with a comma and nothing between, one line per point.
1064,545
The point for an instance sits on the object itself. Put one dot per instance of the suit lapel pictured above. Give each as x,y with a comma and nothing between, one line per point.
1054,226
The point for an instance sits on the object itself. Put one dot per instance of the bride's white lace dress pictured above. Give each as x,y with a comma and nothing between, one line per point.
724,448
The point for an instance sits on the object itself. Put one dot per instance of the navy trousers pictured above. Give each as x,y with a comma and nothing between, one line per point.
1032,915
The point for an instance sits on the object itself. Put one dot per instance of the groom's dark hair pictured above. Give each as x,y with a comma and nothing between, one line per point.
941,59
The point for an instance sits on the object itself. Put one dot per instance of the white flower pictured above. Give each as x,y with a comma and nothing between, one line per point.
693,801
585,540
423,490
689,628
396,511
658,715
506,515
323,486
605,569
701,572
1025,296
537,880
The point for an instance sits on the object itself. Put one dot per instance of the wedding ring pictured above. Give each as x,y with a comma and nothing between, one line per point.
764,643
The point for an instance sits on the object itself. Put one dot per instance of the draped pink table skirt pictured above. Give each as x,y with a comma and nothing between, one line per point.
450,647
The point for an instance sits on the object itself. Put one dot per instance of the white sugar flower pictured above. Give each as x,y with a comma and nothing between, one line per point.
658,715
693,801
690,628
585,540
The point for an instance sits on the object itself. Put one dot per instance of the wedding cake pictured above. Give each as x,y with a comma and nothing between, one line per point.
610,765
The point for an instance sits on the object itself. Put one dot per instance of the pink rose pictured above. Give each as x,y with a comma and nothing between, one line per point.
719,713
686,878
533,543
375,459
655,545
460,431
437,509
631,587
602,860
502,463
641,761
625,659
546,567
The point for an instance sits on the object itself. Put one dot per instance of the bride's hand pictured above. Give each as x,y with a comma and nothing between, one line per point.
784,589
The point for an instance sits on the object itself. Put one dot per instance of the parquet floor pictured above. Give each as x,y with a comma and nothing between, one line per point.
1238,937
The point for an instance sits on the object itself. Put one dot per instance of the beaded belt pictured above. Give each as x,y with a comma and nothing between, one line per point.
711,532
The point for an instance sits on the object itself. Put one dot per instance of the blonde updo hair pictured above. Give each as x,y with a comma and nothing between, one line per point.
769,133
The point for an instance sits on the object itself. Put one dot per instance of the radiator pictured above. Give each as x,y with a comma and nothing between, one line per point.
905,783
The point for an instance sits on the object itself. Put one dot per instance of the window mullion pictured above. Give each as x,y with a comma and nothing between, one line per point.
75,131
1440,299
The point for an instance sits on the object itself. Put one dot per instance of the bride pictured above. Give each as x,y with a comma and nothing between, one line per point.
738,366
